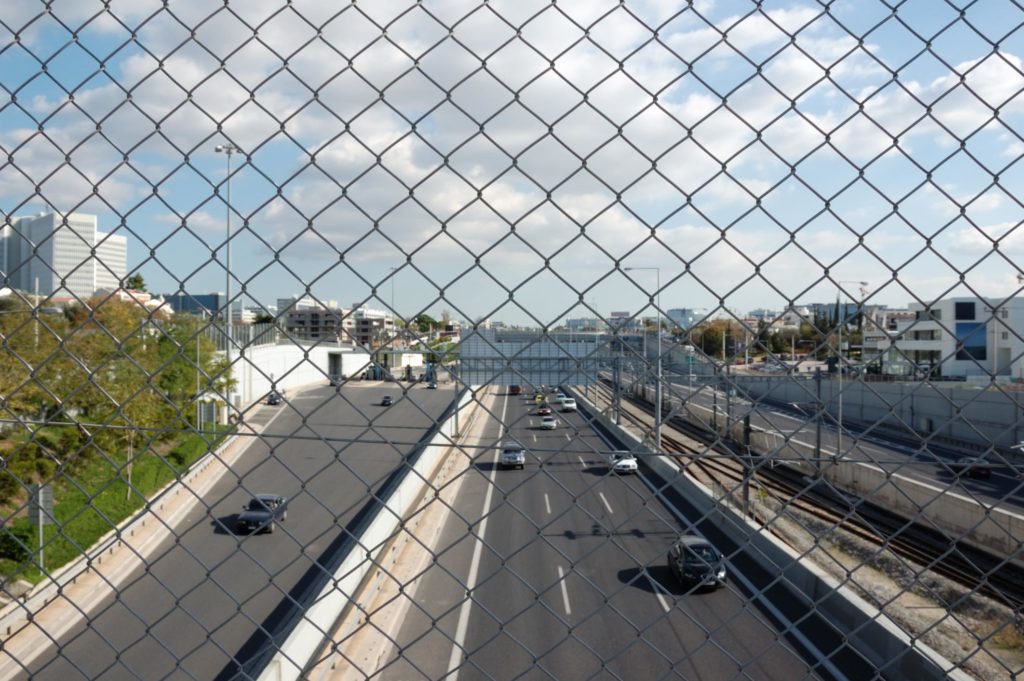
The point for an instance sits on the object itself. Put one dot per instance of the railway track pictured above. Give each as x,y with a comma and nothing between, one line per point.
921,545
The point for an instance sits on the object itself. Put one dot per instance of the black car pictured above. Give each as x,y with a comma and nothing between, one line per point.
971,467
262,513
696,563
274,398
386,401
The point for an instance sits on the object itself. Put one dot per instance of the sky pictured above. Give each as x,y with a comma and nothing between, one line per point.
511,159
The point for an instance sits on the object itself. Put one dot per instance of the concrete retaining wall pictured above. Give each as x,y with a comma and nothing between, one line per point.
976,418
288,367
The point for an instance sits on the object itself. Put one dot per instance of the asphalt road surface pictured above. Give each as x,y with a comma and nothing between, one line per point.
205,601
569,579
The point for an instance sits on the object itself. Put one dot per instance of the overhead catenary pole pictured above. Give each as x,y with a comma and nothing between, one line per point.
657,387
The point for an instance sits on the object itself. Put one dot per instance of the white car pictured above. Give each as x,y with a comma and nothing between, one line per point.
568,404
622,462
560,397
549,423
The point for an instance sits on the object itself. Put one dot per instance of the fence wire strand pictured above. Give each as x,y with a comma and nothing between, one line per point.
409,340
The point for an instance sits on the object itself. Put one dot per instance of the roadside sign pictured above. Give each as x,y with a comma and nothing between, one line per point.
40,504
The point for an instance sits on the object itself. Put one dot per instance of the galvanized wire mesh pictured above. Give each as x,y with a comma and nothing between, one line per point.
762,254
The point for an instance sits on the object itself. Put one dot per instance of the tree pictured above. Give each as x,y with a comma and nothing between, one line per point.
424,323
263,318
135,282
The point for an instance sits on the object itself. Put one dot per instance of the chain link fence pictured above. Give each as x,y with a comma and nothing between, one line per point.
501,340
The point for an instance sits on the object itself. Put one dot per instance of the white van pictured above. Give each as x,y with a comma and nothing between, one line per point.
568,404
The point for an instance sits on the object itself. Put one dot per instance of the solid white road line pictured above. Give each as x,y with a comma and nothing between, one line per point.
547,503
582,462
606,504
565,591
458,645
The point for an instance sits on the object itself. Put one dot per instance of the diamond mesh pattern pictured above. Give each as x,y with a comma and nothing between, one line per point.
511,200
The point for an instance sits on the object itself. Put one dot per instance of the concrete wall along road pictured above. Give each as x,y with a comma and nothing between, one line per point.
975,419
288,367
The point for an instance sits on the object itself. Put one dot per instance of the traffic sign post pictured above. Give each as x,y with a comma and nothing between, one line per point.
40,512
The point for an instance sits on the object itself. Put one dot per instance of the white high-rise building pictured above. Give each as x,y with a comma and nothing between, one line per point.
63,261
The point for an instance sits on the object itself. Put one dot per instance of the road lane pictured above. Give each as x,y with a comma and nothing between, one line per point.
207,594
572,582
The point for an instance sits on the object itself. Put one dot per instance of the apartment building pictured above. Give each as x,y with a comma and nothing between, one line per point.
319,323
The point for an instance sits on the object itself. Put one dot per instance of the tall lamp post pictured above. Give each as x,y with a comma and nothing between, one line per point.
657,387
228,150
842,322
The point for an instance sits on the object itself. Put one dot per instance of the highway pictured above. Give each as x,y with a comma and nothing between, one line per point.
566,566
208,600
701,401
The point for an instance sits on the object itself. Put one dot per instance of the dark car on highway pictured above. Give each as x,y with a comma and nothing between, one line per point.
274,398
262,514
696,563
386,401
972,467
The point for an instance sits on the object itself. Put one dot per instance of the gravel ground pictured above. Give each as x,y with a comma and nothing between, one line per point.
982,637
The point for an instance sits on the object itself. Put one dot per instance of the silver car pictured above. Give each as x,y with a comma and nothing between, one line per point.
513,455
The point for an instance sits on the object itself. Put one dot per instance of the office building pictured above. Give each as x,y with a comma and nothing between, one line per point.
285,305
55,251
685,317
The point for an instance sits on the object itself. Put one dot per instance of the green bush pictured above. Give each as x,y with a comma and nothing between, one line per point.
17,540
93,498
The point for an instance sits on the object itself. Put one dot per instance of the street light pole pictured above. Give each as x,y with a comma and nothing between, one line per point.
657,387
228,150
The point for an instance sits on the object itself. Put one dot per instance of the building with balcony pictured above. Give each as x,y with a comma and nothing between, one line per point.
372,328
321,323
958,337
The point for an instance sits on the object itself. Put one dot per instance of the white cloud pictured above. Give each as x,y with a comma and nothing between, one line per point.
188,92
